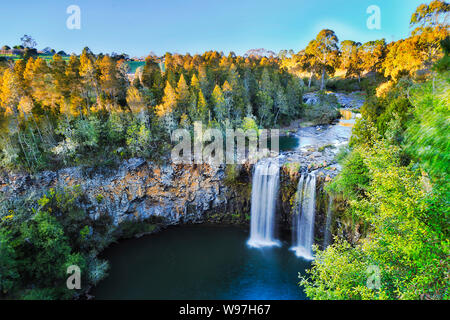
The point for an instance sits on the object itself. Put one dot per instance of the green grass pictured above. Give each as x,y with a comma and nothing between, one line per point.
48,57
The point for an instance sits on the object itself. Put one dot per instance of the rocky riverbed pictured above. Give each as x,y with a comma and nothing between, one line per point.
354,100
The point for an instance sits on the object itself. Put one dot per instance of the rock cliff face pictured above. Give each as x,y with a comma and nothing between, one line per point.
138,190
170,194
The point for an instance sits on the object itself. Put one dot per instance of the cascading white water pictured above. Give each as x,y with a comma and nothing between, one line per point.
327,236
265,183
303,232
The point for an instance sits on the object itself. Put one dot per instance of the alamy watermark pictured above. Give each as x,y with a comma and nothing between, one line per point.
374,280
374,20
73,22
74,280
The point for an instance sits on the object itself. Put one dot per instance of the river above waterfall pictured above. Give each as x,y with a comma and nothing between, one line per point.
200,262
336,134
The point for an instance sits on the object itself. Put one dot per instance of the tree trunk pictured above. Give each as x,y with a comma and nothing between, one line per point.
23,149
37,127
52,130
276,116
310,79
322,85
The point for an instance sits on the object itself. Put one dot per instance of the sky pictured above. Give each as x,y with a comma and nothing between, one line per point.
141,26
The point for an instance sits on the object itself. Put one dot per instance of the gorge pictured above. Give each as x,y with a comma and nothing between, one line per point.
252,260
266,202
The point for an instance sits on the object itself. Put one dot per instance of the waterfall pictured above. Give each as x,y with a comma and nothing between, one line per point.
303,231
327,232
265,182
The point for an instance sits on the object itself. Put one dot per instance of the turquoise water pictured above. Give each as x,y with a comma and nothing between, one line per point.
289,143
200,262
134,65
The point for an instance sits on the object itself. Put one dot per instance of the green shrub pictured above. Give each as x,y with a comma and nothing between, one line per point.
354,177
406,233
325,111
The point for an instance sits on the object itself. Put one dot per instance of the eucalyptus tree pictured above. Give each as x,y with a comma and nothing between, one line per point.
432,15
325,51
306,62
351,58
372,55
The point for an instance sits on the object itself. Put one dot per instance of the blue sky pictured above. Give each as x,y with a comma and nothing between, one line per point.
140,26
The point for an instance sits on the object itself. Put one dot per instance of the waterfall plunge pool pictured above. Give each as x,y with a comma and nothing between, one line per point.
200,262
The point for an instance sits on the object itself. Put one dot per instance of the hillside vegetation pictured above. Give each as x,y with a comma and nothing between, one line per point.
394,182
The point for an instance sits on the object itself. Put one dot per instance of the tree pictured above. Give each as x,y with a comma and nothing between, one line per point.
202,107
19,70
280,103
240,97
28,42
76,101
294,97
28,75
8,265
10,97
430,16
109,82
42,84
405,57
228,98
218,104
195,83
265,104
9,92
351,58
139,138
88,73
169,104
266,83
203,79
165,111
182,95
325,50
46,247
122,71
372,55
306,61
60,81
135,100
152,79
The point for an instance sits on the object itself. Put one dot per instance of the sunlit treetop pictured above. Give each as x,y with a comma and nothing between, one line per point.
431,15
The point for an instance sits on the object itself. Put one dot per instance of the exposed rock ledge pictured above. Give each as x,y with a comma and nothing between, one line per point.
139,189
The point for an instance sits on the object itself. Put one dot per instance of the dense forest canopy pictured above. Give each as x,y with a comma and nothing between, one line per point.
55,113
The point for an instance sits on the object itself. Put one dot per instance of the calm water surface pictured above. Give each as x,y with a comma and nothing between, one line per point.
200,262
